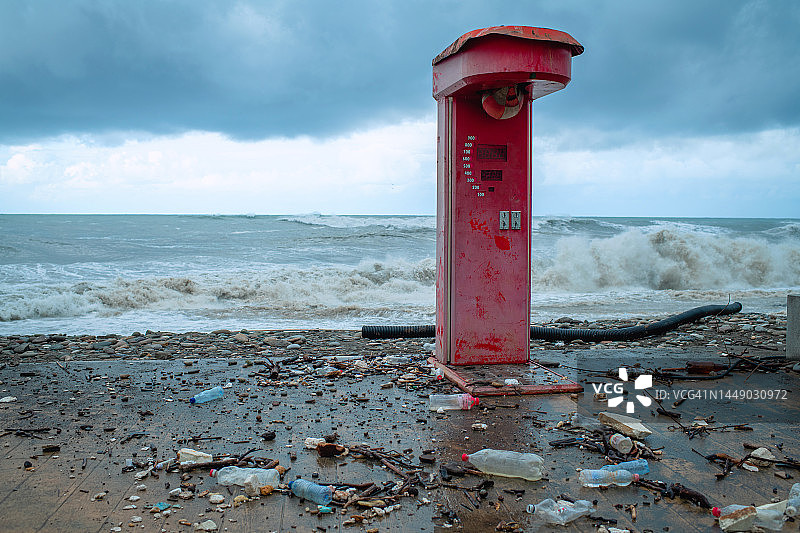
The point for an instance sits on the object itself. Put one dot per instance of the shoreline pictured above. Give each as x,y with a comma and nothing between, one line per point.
752,332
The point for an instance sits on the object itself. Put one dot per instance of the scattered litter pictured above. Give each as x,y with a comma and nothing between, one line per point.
560,512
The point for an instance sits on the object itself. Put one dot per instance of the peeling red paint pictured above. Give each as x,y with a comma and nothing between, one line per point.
502,242
487,346
479,309
479,225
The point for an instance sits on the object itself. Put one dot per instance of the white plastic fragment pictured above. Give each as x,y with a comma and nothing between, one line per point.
208,525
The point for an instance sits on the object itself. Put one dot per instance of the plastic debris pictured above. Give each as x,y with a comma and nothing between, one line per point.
560,512
507,463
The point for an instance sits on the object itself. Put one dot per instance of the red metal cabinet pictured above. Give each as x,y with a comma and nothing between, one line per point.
484,84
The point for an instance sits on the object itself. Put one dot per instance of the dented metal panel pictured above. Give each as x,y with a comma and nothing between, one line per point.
522,32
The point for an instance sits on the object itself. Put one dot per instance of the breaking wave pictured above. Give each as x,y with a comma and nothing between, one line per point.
369,287
670,259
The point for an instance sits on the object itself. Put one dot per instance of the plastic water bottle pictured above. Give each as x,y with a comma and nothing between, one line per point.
768,518
319,494
234,475
605,478
207,395
621,442
452,402
561,512
793,503
639,466
507,463
586,422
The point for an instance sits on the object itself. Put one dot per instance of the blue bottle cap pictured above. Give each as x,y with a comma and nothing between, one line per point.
192,400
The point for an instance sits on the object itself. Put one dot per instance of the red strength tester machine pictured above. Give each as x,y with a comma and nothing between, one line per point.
485,84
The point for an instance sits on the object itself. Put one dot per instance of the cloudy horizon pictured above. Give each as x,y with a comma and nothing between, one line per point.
675,109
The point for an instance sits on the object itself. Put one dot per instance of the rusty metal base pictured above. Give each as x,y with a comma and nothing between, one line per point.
488,380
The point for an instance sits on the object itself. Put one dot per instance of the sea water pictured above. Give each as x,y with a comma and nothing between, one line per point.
100,274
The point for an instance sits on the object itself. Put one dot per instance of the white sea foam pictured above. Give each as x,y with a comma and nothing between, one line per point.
670,259
566,225
366,288
790,230
111,274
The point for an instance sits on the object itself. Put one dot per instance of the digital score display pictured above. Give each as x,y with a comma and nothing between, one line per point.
491,175
492,152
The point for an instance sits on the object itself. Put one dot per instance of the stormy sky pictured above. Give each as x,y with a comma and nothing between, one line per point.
679,108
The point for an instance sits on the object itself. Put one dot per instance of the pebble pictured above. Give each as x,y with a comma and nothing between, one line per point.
769,329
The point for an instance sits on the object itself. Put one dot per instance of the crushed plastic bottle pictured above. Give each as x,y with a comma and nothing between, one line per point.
621,443
639,466
561,512
249,478
319,494
606,478
507,463
437,374
164,465
793,502
586,422
214,393
452,402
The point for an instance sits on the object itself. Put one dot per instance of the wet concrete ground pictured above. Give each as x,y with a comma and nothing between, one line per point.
102,413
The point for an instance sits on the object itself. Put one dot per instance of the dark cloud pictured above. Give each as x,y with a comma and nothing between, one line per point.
259,69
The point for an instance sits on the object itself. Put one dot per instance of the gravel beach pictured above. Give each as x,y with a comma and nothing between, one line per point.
753,332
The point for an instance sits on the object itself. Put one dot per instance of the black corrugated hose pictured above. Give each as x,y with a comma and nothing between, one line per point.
570,334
